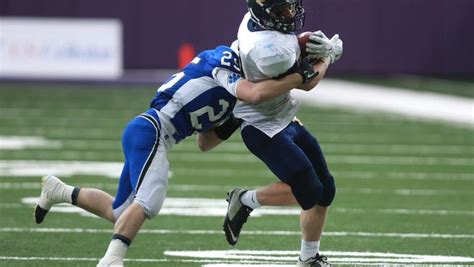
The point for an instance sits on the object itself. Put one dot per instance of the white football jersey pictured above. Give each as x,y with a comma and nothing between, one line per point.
265,55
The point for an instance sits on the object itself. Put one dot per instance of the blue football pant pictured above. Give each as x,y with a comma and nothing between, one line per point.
144,177
296,158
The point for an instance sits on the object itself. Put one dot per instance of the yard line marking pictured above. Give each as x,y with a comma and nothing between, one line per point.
334,159
24,142
29,172
234,172
269,257
17,258
230,258
363,191
31,168
37,185
210,207
330,135
60,168
330,148
456,110
255,232
216,207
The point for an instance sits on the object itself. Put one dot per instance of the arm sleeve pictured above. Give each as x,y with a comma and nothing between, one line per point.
227,79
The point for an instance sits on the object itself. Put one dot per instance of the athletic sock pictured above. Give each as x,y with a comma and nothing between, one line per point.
117,248
249,199
309,249
65,192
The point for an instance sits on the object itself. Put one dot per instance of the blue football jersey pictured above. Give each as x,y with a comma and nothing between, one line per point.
203,94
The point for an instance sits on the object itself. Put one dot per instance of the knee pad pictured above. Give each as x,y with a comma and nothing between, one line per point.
306,188
329,192
152,200
150,209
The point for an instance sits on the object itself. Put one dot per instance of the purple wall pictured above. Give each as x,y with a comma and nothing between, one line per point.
380,36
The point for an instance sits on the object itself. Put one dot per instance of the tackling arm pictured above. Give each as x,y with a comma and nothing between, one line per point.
320,67
303,73
208,140
257,92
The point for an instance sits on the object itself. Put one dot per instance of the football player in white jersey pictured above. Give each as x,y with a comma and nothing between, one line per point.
199,98
268,47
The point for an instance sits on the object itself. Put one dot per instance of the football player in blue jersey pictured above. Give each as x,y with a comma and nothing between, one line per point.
199,98
268,47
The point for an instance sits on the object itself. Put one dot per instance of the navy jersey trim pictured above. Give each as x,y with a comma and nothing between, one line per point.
252,26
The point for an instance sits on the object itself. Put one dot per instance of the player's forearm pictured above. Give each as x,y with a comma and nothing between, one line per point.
269,89
208,140
273,88
321,66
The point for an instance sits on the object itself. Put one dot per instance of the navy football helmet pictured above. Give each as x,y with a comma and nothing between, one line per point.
280,15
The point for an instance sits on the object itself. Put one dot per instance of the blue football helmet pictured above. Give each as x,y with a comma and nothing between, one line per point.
279,15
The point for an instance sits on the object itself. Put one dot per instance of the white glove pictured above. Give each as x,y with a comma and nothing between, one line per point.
319,46
337,49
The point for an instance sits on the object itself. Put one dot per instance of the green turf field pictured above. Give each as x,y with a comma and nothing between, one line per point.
405,187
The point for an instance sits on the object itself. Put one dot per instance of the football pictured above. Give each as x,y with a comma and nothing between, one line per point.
303,38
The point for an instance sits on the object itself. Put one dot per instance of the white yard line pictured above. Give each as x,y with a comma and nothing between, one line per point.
113,169
17,258
109,169
60,168
234,258
354,174
217,208
219,232
339,257
77,259
334,159
234,171
346,94
188,188
24,142
416,104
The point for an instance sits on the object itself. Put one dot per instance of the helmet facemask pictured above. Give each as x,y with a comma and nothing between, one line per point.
283,16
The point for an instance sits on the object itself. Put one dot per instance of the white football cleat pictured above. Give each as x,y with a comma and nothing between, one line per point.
53,191
110,261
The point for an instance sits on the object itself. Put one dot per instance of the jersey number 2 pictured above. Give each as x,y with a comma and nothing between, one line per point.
213,117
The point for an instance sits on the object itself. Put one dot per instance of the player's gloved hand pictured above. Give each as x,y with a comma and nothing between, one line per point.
319,46
306,70
337,48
